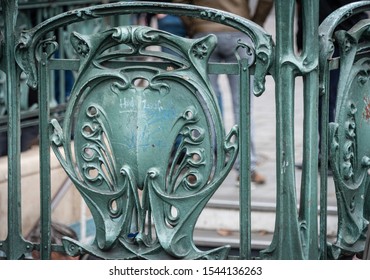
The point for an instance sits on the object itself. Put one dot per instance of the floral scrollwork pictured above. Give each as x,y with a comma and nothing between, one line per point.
349,147
122,35
200,50
57,133
213,15
143,154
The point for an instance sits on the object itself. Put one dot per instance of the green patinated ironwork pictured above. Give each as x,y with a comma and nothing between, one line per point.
144,141
295,235
126,136
174,119
348,136
29,14
22,22
14,243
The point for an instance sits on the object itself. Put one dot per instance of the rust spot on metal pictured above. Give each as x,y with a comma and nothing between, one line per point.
366,113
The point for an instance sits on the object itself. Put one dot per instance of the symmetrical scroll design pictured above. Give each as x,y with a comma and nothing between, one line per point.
115,106
349,136
148,148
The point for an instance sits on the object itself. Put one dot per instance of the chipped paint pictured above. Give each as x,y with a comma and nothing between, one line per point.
366,113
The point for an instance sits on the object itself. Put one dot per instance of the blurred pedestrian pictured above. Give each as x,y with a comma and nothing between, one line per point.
262,11
227,38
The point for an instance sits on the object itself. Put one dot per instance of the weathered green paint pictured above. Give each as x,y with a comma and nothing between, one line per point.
45,191
295,234
146,157
124,175
245,151
125,138
14,243
347,141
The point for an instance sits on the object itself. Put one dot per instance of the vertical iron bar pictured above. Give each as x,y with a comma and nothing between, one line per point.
324,148
366,255
45,192
62,76
245,161
14,238
309,192
286,243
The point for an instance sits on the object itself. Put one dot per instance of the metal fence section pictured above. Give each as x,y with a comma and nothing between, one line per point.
140,133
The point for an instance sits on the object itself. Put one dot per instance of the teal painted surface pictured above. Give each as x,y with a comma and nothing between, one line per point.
348,135
130,159
295,235
144,142
125,139
14,244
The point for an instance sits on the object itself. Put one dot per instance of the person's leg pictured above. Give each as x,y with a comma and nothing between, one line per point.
3,144
216,87
228,41
234,85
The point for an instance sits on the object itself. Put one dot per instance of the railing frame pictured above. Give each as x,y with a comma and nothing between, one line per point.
298,233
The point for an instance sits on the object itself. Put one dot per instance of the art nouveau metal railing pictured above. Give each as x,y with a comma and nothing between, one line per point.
31,13
348,135
144,142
